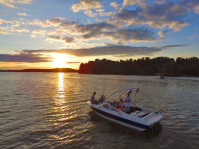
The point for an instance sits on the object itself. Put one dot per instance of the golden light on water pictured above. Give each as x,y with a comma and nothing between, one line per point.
60,60
61,81
61,85
60,96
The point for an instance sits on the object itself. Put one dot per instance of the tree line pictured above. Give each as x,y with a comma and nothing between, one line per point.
42,70
144,66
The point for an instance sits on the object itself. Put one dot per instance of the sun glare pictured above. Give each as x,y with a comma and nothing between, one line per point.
60,61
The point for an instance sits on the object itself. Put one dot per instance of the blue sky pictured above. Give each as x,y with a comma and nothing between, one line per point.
36,33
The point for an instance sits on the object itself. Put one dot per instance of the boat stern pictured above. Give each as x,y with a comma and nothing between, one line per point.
153,117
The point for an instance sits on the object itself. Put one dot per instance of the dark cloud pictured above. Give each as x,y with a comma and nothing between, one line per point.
66,39
102,51
23,57
173,46
103,29
94,30
73,62
107,50
37,56
135,34
96,27
128,14
122,35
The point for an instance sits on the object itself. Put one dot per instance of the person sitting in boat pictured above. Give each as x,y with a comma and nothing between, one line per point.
101,100
93,98
127,102
121,104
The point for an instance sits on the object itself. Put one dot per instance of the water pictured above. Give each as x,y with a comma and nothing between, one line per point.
51,110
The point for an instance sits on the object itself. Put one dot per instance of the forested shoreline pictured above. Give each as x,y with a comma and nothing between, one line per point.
144,66
42,70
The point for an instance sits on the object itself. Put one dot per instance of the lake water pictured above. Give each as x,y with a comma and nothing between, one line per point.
51,110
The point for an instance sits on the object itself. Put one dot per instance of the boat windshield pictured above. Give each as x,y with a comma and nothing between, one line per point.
110,107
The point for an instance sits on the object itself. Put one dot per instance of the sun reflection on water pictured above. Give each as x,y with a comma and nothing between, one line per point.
61,86
62,110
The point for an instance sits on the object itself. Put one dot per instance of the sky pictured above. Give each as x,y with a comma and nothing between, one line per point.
65,33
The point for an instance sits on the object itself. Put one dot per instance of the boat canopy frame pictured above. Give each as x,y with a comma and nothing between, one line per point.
136,89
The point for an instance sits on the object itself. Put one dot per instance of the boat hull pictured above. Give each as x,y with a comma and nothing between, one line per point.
120,120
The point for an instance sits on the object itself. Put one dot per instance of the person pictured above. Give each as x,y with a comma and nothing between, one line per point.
121,104
127,102
101,100
93,98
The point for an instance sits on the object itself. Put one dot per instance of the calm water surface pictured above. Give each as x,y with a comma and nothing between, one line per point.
51,110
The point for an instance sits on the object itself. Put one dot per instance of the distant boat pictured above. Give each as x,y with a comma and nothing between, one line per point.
160,75
139,118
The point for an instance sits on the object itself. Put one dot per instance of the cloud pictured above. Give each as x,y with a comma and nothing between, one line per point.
107,13
146,22
65,39
21,30
55,22
90,13
172,46
111,29
4,30
13,3
132,2
100,10
156,15
38,32
11,26
162,33
115,5
112,50
191,4
86,5
22,14
22,57
101,51
125,15
9,22
62,28
125,35
73,62
92,30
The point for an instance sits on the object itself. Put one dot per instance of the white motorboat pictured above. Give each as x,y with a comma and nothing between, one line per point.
139,118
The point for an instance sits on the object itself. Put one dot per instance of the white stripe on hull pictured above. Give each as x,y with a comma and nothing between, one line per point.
119,122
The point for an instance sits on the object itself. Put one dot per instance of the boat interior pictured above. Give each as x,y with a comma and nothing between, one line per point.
135,110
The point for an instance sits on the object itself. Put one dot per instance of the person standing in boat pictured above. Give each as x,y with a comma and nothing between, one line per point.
93,98
127,102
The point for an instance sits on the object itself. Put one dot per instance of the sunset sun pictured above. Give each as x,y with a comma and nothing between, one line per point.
60,61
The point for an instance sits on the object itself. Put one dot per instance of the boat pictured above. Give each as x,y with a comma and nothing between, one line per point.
139,118
160,75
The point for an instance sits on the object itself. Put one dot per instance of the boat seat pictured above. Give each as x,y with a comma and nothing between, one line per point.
140,113
134,109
